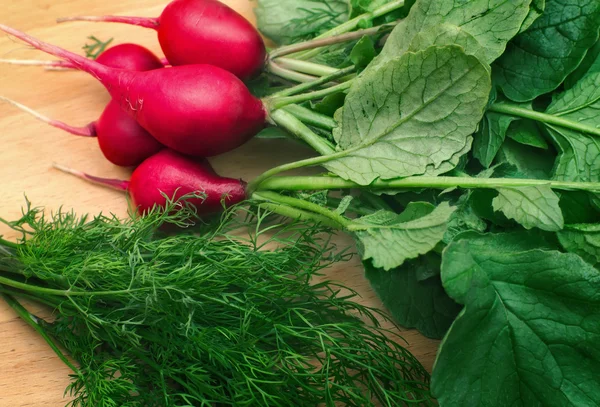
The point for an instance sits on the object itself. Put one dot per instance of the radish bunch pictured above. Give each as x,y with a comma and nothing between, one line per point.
196,104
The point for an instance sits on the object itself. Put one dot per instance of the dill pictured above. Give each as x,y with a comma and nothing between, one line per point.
232,316
96,47
314,22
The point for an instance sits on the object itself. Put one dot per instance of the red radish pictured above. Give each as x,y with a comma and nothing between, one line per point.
122,141
169,174
202,32
130,56
199,110
123,56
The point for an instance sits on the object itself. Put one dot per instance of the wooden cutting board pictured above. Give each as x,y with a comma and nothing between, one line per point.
30,374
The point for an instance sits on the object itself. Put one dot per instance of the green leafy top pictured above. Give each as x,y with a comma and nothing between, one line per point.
491,23
538,60
413,115
534,311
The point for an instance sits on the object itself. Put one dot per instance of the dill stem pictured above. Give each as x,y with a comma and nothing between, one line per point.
7,243
32,321
60,293
45,300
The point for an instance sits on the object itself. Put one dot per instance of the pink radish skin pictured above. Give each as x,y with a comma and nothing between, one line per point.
122,140
199,110
123,56
173,175
202,32
132,57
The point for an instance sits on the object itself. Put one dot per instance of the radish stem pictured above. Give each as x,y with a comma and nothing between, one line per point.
314,84
86,65
351,25
289,122
294,213
139,21
294,76
279,102
35,62
117,184
322,42
87,131
301,204
442,183
512,110
311,117
309,68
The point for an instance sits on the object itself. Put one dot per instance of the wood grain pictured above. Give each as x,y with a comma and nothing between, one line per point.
30,374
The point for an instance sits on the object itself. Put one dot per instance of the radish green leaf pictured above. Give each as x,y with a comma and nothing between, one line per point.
413,115
529,332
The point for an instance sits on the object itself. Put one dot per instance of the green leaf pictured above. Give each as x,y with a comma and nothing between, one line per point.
581,103
363,53
583,240
579,155
529,332
344,204
538,61
532,207
535,11
286,21
464,219
589,65
578,207
447,34
526,132
365,6
529,162
412,302
413,115
492,23
481,202
490,136
330,104
390,239
273,133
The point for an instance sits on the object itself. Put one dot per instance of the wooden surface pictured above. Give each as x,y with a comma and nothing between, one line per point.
30,374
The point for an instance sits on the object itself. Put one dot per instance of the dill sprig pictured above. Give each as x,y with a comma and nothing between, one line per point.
233,316
313,22
96,47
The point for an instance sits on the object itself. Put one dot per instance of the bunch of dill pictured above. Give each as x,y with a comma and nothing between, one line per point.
218,318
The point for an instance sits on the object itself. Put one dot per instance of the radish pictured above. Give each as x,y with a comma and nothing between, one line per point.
122,141
132,57
202,32
199,110
123,56
170,174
